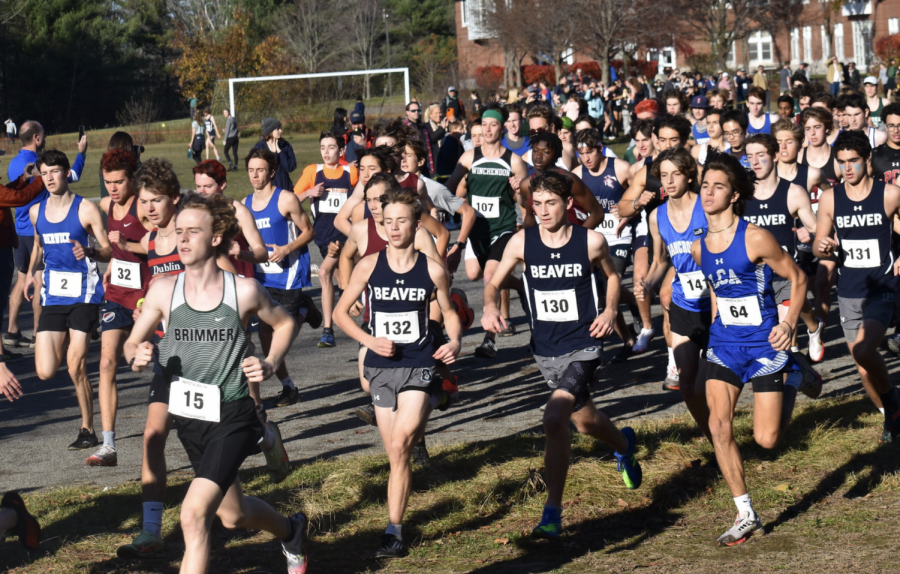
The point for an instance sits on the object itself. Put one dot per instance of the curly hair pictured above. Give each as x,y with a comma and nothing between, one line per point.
220,209
157,177
742,182
394,128
212,168
680,158
119,160
385,155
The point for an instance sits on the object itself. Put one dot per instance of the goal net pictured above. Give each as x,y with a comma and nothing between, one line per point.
306,102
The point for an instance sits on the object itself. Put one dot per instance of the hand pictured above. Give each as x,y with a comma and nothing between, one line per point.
645,198
257,370
82,144
514,182
603,324
641,290
802,234
357,308
31,171
383,346
448,353
9,384
453,257
780,337
334,249
142,357
622,223
29,282
317,191
827,246
117,239
278,252
492,321
77,250
234,250
135,315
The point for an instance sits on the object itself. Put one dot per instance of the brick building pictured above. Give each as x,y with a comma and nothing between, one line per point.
856,27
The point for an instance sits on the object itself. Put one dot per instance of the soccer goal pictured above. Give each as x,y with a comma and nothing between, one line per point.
308,101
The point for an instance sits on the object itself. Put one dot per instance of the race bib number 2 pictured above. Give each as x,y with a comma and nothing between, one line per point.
739,312
195,400
488,207
64,284
400,328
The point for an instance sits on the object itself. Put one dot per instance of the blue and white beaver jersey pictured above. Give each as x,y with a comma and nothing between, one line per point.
745,299
690,291
67,281
292,272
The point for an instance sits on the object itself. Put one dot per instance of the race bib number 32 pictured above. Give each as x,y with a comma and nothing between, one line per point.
125,274
64,284
400,328
739,312
488,207
556,306
195,400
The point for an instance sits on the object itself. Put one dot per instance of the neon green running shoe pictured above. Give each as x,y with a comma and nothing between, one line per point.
627,464
550,526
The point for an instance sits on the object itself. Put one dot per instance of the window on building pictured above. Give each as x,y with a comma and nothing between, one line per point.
839,42
807,43
826,47
893,25
862,42
760,44
465,13
795,44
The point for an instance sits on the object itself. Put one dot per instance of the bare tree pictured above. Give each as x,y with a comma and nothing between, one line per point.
607,26
208,16
721,22
830,8
366,26
780,16
310,29
504,19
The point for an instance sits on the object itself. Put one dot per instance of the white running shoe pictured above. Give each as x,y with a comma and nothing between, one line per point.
816,346
643,340
295,548
893,343
672,379
744,526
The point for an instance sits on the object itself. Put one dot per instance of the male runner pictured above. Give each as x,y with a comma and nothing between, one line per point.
874,102
286,231
565,331
758,120
124,284
401,352
699,107
747,343
214,379
734,127
71,289
861,210
487,171
855,117
513,138
716,137
327,186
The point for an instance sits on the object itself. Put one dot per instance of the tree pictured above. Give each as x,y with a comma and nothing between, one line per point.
366,26
781,16
504,20
607,24
311,31
721,22
433,55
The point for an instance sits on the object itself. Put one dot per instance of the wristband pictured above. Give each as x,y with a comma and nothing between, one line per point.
789,327
632,204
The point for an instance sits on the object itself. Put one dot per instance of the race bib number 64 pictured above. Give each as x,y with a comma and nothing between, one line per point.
739,312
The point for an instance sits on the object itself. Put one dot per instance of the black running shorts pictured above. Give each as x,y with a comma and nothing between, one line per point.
82,317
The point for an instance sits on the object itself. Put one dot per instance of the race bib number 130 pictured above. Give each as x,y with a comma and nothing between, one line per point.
556,306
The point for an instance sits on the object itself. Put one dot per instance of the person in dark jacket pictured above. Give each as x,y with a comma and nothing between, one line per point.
284,152
450,152
451,101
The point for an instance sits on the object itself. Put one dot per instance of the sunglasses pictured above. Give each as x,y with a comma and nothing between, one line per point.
532,133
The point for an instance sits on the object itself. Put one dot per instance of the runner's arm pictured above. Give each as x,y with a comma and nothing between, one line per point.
434,227
448,352
153,310
660,264
358,281
636,196
801,208
598,251
345,257
825,245
761,245
586,199
342,220
257,301
460,172
289,206
90,217
9,384
424,242
37,252
258,252
513,254
523,198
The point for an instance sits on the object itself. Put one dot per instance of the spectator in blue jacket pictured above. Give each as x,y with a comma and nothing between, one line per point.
284,152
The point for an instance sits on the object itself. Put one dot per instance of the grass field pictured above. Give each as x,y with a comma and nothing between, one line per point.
828,498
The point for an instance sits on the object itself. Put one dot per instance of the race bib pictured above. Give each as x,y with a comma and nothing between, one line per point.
195,400
694,285
488,207
270,267
332,202
125,274
64,284
398,327
609,225
739,312
861,253
556,306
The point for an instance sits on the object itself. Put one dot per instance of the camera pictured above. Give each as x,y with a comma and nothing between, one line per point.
137,149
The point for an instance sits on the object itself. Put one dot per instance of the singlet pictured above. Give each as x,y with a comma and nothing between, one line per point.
689,288
704,151
827,169
411,181
700,137
374,244
208,124
876,114
886,164
162,264
745,299
129,274
774,216
608,190
206,346
802,179
324,209
562,295
67,281
292,272
491,194
864,233
399,304
765,129
742,157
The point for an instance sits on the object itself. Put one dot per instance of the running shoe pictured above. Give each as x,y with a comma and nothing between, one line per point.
13,339
461,301
451,387
11,357
289,396
627,464
623,355
27,528
812,382
313,315
295,548
745,525
444,397
277,462
816,346
86,439
391,547
487,349
893,343
105,456
891,427
420,455
366,414
509,331
550,525
643,340
144,544
327,339
672,382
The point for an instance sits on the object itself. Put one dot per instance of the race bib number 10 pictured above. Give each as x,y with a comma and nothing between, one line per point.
332,202
195,400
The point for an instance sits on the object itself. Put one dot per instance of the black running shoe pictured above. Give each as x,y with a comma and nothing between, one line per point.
366,414
11,339
288,397
487,349
420,455
27,528
623,355
313,315
11,357
86,439
391,547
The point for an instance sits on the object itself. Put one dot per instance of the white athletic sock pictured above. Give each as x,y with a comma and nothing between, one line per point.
671,356
646,331
795,349
882,410
109,438
743,504
794,379
395,530
153,512
287,382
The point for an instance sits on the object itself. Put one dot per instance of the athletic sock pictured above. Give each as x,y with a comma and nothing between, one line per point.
153,512
109,438
395,529
794,379
744,505
795,349
881,410
268,438
287,382
671,356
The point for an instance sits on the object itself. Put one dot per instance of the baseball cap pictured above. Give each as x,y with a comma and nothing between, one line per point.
724,74
532,90
451,89
700,102
871,80
357,118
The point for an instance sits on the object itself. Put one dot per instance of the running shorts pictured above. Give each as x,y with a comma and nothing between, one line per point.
691,324
114,316
82,317
761,365
572,373
386,383
855,311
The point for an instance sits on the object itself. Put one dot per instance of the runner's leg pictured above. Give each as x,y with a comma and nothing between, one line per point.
400,431
722,399
326,272
111,344
692,380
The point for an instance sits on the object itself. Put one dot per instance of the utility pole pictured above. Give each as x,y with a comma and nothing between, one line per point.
387,42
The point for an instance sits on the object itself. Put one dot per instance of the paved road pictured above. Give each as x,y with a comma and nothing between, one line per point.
498,398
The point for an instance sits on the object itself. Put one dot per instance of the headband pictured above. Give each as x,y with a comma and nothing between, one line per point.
492,114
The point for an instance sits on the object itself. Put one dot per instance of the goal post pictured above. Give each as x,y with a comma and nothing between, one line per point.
233,81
